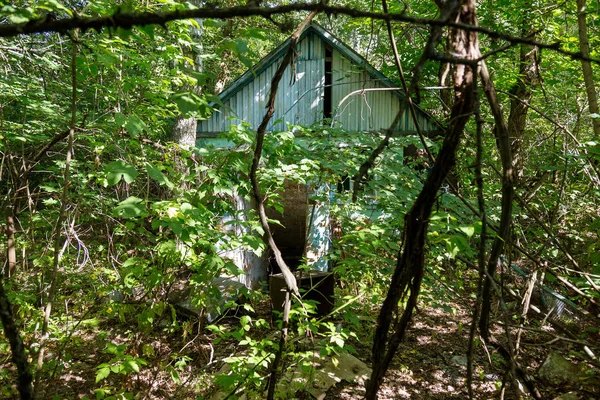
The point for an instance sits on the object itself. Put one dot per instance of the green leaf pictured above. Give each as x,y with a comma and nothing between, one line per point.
174,375
188,102
18,19
131,207
117,368
468,230
158,176
120,119
148,30
123,33
133,365
117,170
135,125
54,5
255,243
241,46
102,374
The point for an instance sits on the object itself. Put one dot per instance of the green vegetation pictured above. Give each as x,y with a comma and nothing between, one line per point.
106,216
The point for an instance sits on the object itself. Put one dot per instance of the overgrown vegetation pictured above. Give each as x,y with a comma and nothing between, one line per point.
97,260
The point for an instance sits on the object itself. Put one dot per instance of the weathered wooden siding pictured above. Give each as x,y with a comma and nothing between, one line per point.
368,110
301,100
298,101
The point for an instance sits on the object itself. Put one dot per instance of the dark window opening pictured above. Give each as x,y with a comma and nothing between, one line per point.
328,82
343,184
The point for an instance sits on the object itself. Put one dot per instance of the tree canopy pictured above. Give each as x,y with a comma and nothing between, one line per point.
121,227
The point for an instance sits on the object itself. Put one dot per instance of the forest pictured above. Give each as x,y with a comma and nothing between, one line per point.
447,246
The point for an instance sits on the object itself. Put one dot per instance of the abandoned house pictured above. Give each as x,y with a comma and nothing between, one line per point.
331,82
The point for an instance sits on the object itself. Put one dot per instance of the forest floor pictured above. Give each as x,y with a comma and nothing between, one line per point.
430,363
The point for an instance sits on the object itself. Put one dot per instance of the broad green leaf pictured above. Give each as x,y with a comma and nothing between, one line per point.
133,365
135,125
124,34
117,170
53,5
174,375
120,119
148,30
131,207
18,19
241,46
255,243
117,368
49,188
468,230
102,374
158,176
188,102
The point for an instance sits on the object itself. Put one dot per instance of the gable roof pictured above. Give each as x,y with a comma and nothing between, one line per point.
279,51
336,44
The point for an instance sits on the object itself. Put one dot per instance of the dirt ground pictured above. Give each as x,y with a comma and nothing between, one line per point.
430,363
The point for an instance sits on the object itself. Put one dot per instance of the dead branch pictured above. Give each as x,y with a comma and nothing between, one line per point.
289,278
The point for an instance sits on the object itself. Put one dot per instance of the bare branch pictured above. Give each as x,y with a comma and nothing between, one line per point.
501,132
129,20
289,278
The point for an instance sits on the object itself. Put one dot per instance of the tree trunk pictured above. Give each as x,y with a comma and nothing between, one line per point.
411,260
19,356
522,92
184,131
11,250
586,66
503,235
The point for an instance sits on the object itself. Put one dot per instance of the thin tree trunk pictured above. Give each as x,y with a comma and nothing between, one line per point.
282,340
288,276
184,130
503,236
522,91
16,346
11,250
59,222
482,245
586,66
411,260
288,58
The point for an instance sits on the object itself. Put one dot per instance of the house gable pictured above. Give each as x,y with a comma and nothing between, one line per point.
329,79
